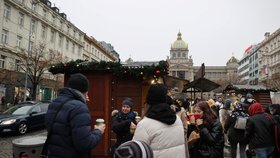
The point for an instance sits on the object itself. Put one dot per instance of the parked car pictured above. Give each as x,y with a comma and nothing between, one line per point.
24,116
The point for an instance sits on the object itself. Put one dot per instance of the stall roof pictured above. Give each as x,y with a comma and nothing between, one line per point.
202,85
247,88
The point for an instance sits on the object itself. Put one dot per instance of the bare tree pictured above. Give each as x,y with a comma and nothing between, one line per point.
36,64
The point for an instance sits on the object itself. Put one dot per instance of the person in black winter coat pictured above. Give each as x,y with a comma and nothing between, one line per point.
211,141
122,123
72,135
236,136
274,110
259,131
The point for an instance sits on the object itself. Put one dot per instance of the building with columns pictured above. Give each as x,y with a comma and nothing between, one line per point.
181,65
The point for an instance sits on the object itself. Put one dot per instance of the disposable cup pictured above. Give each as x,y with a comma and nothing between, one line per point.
99,121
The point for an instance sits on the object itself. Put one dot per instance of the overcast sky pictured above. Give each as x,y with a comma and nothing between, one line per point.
145,29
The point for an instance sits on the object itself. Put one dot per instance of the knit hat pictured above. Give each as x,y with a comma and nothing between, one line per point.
79,82
156,94
255,108
135,149
249,95
227,103
128,101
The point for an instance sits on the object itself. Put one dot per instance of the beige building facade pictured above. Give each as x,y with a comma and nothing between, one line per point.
181,65
26,24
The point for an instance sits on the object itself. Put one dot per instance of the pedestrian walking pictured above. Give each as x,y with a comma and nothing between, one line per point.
236,136
259,131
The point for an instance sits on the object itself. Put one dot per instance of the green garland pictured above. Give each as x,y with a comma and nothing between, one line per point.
116,68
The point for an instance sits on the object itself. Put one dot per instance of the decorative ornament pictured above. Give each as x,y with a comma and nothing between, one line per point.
157,72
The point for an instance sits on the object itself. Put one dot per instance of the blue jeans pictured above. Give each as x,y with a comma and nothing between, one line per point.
263,152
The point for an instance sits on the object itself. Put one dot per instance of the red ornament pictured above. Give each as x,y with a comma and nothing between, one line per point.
65,65
157,72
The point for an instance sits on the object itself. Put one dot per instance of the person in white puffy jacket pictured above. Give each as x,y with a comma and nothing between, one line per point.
161,128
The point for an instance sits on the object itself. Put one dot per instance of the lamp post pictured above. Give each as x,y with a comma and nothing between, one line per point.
28,50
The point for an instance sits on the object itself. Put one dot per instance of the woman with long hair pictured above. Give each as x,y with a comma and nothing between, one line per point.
211,138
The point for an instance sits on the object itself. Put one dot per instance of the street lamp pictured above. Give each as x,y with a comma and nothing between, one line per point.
33,2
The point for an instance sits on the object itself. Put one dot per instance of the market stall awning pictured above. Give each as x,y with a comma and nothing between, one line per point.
202,85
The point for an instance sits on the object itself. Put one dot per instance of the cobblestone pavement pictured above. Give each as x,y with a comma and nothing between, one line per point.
6,147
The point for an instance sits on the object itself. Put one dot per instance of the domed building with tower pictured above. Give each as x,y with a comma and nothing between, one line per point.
181,65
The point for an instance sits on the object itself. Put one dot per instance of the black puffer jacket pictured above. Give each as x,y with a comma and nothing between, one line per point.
72,134
211,142
259,131
121,127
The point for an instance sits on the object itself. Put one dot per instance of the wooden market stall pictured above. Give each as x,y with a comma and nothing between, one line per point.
261,93
109,84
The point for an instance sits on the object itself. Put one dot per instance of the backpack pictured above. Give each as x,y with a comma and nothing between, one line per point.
240,122
276,130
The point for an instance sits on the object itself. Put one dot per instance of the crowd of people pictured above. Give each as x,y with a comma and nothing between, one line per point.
203,128
169,127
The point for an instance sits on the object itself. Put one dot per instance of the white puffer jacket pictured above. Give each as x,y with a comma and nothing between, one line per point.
165,140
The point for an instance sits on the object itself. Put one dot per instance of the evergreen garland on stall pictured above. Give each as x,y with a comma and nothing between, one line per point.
116,68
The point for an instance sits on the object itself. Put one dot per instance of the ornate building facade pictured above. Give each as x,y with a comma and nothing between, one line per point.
181,65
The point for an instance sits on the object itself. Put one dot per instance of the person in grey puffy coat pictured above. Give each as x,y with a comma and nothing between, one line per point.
72,135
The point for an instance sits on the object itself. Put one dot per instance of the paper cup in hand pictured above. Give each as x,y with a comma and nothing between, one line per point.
132,130
137,119
99,121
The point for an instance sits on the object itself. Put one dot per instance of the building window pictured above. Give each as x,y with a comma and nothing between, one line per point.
73,48
32,27
67,44
179,55
17,65
7,11
31,44
33,6
21,1
43,32
52,36
20,18
2,61
19,40
44,13
60,41
4,37
54,19
181,74
61,25
68,29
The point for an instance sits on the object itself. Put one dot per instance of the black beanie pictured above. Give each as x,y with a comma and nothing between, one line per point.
79,82
157,94
128,101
